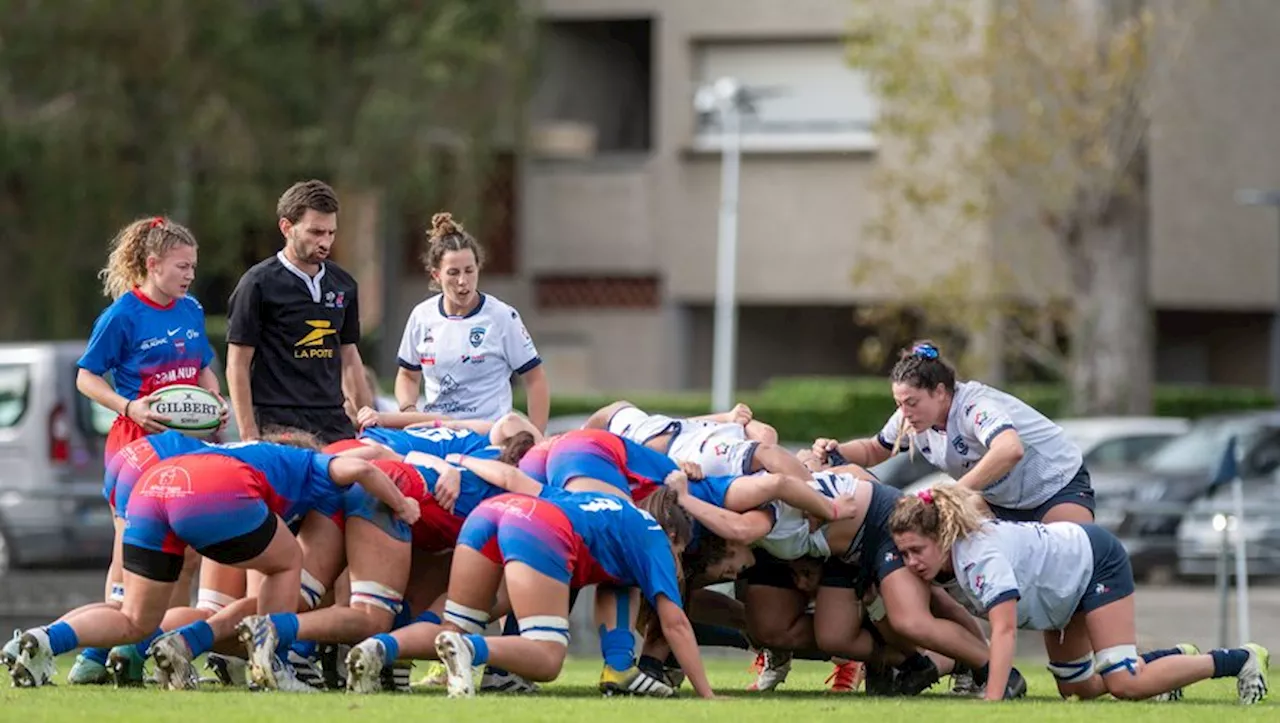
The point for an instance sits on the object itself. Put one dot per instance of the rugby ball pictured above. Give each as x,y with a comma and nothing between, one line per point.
192,410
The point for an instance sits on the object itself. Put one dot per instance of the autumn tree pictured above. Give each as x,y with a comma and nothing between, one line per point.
1014,166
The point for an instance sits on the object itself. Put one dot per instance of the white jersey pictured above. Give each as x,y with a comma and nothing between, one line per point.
466,361
978,414
1046,568
790,538
721,449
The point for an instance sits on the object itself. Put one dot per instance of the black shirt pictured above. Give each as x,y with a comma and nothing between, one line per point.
296,325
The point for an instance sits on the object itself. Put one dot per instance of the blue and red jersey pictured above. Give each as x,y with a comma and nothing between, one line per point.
439,441
588,452
295,480
145,347
128,465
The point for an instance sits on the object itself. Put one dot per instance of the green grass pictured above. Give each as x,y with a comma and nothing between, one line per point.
574,698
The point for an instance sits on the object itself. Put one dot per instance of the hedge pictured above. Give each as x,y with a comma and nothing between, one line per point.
804,408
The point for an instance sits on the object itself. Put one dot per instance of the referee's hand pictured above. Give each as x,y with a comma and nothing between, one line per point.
367,417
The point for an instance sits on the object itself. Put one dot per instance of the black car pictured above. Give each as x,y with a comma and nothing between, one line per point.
1143,507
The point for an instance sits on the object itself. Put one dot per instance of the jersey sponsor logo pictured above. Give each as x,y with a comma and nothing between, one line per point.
981,418
137,456
312,346
193,334
448,385
960,445
473,358
171,332
601,504
477,336
335,300
169,483
180,345
184,406
173,376
428,361
153,343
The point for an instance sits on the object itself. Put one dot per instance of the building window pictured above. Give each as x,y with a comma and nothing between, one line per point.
595,89
809,98
595,293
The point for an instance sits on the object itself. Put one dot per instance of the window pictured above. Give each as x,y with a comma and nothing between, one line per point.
809,98
1124,452
15,385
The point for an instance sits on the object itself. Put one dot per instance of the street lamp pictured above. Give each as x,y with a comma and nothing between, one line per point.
1256,197
727,99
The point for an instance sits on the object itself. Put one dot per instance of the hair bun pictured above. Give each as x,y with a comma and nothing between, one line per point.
442,224
923,349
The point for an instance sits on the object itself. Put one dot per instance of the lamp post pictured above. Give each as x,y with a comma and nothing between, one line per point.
1256,197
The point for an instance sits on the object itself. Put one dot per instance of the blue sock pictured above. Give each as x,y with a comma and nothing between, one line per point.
304,648
1228,663
1158,654
145,645
480,647
97,655
61,638
286,631
390,645
510,627
198,636
618,647
429,617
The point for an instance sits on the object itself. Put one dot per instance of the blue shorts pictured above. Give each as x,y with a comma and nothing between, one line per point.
1077,492
565,466
711,490
873,550
1112,574
515,528
357,503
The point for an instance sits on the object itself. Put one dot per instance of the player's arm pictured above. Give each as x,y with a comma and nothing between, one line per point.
239,360
862,452
408,382
1003,617
538,395
679,635
499,474
732,526
355,386
1003,454
346,471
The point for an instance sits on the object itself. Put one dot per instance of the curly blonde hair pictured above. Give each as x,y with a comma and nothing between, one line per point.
943,514
127,264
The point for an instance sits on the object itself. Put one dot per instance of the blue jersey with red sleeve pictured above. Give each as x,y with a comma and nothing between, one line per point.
298,477
146,346
623,540
440,441
472,490
571,454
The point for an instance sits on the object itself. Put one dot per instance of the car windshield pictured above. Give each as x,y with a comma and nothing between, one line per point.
15,380
1200,449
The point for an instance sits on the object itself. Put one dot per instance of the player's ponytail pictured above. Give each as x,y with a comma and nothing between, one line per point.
944,514
515,447
292,437
127,263
448,235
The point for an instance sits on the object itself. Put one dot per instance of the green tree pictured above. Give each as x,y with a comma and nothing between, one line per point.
1014,137
205,110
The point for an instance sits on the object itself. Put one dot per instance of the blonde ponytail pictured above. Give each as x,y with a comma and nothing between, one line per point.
127,263
944,514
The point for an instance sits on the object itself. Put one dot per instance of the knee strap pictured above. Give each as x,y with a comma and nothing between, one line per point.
1074,671
549,628
1120,657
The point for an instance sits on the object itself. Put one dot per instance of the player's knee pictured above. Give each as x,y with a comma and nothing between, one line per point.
551,632
467,619
771,632
1119,667
1072,676
380,604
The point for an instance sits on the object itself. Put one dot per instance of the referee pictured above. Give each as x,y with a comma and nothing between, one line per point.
293,327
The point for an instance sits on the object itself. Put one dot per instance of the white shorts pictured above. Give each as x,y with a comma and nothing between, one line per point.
720,449
638,426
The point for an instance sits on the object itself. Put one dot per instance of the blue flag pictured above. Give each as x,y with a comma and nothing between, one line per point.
1227,469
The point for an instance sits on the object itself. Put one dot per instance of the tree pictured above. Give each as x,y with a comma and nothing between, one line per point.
1015,130
206,110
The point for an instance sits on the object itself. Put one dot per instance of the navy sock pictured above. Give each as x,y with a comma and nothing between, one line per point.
390,645
1158,654
62,638
286,630
97,655
1228,663
980,674
720,636
198,636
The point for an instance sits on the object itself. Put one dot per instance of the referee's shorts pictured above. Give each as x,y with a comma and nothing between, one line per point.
330,424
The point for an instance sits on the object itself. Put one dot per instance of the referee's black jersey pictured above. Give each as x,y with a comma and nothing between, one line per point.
296,325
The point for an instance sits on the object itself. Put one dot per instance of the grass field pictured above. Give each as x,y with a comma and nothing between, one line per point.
574,698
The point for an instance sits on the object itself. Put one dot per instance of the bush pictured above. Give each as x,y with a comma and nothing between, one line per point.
804,408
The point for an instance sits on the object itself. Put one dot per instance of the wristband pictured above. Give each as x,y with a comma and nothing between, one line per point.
435,424
125,413
407,407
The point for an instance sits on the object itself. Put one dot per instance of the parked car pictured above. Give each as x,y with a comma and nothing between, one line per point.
1200,544
52,440
1144,506
1106,443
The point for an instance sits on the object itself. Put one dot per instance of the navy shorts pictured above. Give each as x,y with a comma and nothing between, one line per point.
1112,574
1078,491
772,572
876,555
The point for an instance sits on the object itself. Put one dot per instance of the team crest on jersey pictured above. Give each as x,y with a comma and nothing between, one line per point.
477,336
180,345
335,300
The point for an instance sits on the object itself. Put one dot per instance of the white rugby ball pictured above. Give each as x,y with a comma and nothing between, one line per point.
192,410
